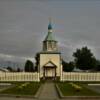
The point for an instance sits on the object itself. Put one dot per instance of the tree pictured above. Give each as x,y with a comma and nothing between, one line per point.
29,66
67,67
37,61
97,68
18,69
10,69
71,66
64,64
84,59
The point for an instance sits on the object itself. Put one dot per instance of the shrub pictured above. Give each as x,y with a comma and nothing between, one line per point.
76,87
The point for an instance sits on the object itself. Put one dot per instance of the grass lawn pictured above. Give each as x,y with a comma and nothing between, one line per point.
68,90
23,88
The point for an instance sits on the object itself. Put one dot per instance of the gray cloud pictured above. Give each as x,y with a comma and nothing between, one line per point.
23,26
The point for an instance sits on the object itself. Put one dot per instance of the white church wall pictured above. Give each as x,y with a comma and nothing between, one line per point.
80,76
19,76
45,58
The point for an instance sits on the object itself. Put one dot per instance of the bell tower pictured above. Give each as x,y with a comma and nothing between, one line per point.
49,43
49,59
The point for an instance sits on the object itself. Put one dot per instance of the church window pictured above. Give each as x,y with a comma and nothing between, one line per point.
50,44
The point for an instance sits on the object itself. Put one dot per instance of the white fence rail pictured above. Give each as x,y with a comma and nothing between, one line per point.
80,76
19,76
66,76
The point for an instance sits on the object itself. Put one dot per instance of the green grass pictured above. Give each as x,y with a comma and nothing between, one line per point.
29,89
68,90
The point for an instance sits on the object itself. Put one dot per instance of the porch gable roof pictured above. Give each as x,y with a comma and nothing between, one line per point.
49,64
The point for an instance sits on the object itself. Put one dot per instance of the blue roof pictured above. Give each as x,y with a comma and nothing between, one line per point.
49,26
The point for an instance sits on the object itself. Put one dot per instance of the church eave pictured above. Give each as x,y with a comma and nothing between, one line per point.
49,52
50,41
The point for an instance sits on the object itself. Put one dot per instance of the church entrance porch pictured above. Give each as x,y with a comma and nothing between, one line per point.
49,72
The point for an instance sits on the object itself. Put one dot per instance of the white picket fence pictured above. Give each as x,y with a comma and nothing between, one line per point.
19,76
80,76
66,76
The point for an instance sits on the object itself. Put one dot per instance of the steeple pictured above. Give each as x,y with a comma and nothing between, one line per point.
49,36
49,44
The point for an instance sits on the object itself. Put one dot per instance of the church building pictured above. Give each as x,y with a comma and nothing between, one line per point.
50,64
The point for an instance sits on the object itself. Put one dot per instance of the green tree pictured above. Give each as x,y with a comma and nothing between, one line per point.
10,69
37,61
97,68
18,69
84,59
67,67
29,66
71,66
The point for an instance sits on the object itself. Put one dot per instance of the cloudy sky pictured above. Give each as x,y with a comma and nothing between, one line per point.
23,26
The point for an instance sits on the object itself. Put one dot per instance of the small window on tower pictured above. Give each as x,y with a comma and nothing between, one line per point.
50,45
